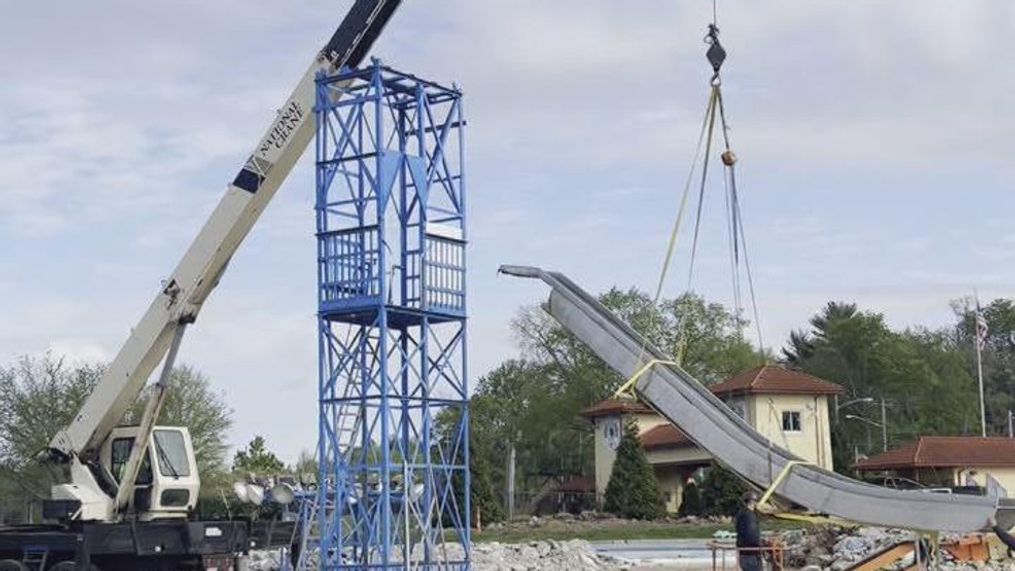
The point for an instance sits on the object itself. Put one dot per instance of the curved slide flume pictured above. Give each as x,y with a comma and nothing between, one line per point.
712,425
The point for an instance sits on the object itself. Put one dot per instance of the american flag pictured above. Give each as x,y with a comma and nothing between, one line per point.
981,327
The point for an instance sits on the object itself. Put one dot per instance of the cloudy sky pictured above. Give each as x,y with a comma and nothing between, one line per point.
875,142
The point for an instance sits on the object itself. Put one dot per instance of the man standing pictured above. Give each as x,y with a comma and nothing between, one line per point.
749,534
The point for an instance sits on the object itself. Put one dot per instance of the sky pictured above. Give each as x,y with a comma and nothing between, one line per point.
874,141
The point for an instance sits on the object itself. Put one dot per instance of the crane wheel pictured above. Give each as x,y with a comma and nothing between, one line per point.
12,565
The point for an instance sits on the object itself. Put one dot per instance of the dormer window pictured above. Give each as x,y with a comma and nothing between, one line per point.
791,421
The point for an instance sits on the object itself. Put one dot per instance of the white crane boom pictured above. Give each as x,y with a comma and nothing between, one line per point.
199,270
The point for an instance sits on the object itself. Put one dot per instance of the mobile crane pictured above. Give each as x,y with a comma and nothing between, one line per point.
133,489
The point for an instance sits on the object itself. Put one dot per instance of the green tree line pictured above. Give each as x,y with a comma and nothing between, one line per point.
532,403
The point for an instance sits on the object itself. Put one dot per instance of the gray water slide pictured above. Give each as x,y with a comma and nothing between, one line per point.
712,425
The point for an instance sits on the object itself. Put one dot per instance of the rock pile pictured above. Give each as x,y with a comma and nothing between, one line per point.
264,561
541,555
838,549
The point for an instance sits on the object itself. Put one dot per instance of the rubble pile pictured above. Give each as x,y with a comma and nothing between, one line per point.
541,555
831,548
264,560
836,549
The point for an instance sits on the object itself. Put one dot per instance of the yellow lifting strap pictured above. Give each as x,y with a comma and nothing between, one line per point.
627,389
778,480
807,518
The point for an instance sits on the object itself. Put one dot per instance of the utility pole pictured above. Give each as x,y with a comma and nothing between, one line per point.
884,426
1011,428
510,499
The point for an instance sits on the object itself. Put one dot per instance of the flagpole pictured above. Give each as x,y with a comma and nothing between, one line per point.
978,340
979,375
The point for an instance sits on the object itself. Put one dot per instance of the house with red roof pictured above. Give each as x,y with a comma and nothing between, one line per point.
789,407
947,461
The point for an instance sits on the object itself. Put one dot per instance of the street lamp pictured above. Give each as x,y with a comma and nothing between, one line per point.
854,401
883,426
839,407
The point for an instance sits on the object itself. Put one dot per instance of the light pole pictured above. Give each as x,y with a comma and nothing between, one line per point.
882,425
839,407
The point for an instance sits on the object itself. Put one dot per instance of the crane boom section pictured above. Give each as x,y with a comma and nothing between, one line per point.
202,265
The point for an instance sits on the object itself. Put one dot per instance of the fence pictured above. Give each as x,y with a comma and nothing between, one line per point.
544,503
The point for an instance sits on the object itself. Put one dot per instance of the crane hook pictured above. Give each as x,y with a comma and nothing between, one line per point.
716,54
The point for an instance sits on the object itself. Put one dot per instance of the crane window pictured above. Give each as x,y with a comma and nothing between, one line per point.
120,453
172,452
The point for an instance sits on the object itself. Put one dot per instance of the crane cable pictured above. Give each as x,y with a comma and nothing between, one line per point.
736,222
716,55
627,388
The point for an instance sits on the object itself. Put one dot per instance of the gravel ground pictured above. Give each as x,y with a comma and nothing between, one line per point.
812,549
534,555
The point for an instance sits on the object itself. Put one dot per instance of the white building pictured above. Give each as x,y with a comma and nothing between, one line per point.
790,408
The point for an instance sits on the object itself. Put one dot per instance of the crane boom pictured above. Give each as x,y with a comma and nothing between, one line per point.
201,267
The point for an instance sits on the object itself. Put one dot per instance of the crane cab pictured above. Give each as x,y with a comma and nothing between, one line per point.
167,483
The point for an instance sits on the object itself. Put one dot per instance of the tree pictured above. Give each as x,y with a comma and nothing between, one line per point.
633,491
801,348
920,373
191,402
257,459
998,356
484,499
307,468
486,507
42,395
706,336
721,492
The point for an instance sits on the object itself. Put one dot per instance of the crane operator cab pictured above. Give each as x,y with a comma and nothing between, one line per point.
167,482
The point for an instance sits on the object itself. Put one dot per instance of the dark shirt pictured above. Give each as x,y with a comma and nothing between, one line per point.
748,529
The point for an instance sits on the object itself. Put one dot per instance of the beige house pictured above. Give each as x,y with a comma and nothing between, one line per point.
788,407
946,461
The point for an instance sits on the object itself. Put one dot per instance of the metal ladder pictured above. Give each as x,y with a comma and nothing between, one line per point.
347,426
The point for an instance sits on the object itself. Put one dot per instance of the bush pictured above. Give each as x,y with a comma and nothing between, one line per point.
721,492
633,491
484,500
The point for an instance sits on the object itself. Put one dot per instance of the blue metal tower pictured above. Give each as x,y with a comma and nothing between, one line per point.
394,417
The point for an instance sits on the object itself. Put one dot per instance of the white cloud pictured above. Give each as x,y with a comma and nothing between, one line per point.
78,351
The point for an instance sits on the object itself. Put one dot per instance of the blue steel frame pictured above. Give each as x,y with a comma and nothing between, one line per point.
394,416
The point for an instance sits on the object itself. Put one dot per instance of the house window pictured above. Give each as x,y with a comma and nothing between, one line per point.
791,421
